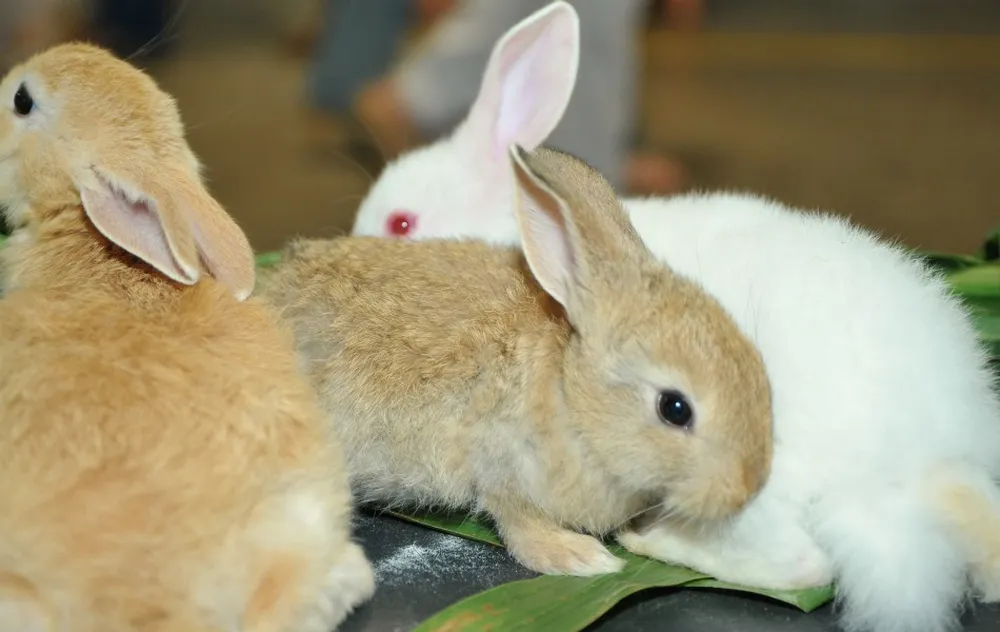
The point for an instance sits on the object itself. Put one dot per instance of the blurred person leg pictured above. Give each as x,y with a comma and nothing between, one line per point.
358,43
434,88
601,123
436,84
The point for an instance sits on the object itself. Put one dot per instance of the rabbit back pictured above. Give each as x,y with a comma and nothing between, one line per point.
426,342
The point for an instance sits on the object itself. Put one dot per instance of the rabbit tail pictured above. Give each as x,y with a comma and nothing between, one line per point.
898,566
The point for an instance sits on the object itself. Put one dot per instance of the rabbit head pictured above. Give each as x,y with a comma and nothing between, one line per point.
678,400
86,137
525,89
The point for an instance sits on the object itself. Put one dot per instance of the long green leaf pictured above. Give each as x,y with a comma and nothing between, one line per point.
553,603
805,600
569,604
474,529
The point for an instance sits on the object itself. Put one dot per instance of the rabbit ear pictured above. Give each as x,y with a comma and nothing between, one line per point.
572,227
541,216
527,83
165,217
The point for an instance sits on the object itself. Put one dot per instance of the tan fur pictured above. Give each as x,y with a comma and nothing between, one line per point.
165,465
970,505
455,380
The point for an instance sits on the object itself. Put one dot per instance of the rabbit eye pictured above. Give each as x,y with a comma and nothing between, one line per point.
401,223
23,103
674,409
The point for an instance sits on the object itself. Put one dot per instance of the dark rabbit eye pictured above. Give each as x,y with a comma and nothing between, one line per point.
401,223
674,409
23,103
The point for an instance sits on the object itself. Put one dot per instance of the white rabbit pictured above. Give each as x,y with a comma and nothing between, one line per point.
524,93
887,422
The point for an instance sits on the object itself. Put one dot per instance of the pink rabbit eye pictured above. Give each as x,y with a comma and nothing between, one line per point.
401,223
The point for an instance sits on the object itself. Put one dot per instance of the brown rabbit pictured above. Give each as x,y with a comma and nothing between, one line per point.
566,390
165,465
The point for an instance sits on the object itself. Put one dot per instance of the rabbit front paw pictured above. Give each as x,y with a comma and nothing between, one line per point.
792,568
558,551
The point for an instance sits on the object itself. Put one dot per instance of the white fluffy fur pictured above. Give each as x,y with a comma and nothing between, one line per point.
885,410
455,207
525,89
881,393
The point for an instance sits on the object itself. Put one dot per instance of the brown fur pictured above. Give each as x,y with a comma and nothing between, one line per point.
456,380
165,464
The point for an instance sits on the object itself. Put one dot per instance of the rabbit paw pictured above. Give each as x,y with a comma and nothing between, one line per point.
785,570
349,583
562,552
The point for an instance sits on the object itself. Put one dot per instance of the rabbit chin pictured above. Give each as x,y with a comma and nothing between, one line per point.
704,502
9,191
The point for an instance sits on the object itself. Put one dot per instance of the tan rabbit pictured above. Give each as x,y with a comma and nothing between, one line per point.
165,465
564,391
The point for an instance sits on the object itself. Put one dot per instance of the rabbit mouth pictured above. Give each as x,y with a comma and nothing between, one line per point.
674,512
13,219
701,504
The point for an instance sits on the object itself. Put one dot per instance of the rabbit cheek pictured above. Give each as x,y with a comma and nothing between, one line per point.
717,490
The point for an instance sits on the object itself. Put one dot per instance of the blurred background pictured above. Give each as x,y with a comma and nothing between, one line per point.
884,110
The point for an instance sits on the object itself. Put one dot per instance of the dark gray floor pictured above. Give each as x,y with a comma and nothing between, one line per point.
420,571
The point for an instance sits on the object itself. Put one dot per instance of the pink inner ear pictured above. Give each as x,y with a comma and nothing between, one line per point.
400,223
133,225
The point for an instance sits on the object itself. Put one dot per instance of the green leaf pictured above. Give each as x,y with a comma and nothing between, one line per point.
268,259
988,325
982,281
805,600
569,604
948,261
554,603
455,524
